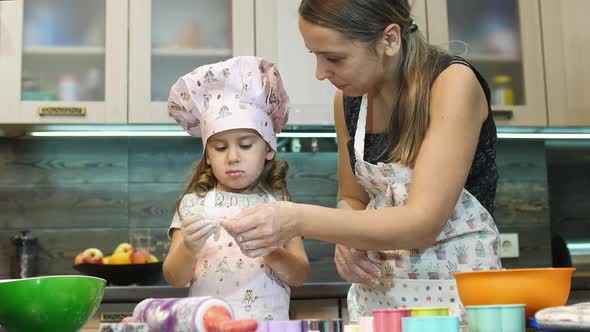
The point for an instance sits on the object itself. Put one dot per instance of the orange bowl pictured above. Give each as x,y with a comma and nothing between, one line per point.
536,288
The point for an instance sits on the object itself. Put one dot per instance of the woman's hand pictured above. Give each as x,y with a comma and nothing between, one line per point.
355,266
264,228
195,232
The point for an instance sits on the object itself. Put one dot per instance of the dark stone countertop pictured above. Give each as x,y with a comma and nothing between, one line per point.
581,281
125,294
327,290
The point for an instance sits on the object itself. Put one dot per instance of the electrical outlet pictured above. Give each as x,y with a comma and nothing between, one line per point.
509,245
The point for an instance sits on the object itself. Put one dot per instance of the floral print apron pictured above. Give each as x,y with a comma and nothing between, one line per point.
247,284
420,277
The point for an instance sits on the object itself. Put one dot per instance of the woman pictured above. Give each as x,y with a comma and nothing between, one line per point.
417,173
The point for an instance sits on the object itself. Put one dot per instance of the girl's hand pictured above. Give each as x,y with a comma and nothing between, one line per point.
264,228
195,232
355,266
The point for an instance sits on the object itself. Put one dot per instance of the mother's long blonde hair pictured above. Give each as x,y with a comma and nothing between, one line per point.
365,21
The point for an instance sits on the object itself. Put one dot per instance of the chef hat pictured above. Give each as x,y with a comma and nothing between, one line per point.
244,92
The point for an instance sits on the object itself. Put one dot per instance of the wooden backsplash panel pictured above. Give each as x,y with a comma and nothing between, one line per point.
63,161
166,160
522,201
93,189
569,181
76,194
152,204
522,187
64,205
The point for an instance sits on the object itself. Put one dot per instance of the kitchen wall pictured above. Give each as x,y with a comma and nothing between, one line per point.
569,182
80,193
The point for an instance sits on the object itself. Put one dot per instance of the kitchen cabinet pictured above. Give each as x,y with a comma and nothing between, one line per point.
169,38
110,61
63,61
503,40
278,39
566,44
113,61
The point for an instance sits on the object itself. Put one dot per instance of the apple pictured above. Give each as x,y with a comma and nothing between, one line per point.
124,248
92,255
140,256
79,259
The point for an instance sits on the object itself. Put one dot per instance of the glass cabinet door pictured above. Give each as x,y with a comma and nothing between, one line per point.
502,39
169,38
63,57
67,54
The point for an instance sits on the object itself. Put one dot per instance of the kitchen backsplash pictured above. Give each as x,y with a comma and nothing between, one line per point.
79,193
568,167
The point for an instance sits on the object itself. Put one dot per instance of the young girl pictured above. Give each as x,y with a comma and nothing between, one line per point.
237,107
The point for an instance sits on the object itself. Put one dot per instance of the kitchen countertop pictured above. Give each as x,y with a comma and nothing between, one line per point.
327,290
581,281
119,299
125,294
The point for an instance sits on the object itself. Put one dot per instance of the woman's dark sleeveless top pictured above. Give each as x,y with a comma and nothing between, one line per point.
483,175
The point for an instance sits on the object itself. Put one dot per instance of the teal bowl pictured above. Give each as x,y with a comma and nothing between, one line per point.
49,304
496,318
430,324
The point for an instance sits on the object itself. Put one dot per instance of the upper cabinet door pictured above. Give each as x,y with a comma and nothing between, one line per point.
169,38
63,61
502,39
567,49
278,40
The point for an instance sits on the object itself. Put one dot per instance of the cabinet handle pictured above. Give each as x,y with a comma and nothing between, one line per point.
61,111
503,114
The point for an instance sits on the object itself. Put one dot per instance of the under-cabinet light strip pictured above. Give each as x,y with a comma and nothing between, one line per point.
150,133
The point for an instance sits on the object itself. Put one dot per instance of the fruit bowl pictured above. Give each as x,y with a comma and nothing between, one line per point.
124,274
49,304
536,288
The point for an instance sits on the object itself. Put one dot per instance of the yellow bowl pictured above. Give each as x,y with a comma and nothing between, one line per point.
430,311
536,288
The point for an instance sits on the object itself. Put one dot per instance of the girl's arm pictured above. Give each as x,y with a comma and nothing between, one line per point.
179,265
290,262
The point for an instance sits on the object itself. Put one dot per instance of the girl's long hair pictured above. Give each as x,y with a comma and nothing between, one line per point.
273,179
365,21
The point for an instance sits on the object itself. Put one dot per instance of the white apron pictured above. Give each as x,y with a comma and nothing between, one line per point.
420,278
247,284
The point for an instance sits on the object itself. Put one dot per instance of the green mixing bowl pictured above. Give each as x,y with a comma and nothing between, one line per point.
49,304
